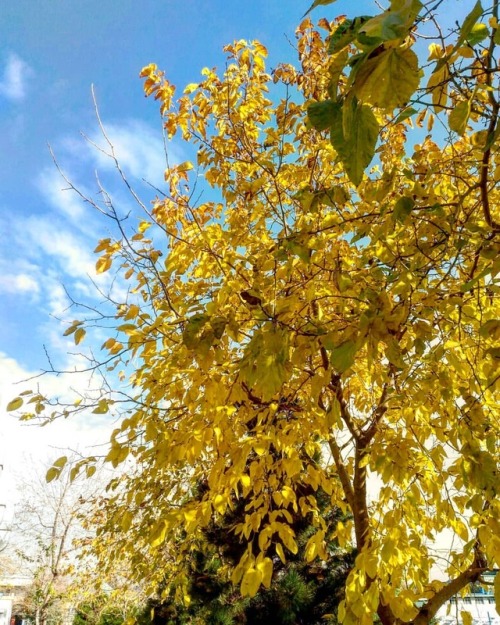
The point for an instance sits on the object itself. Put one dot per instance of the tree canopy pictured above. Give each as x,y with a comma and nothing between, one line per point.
331,290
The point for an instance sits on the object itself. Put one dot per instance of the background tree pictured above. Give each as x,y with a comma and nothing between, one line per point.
47,521
302,592
302,305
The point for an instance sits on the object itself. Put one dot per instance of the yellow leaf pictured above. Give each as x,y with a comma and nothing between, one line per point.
311,550
102,407
15,404
266,568
220,503
103,264
61,462
79,335
466,617
280,552
52,474
251,581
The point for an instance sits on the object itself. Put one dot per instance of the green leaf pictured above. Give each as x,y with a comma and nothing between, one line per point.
345,33
467,27
15,404
469,23
317,3
394,355
300,250
102,407
342,357
408,112
403,208
322,114
265,365
193,329
356,147
218,326
52,474
459,117
395,23
387,80
490,328
478,33
336,69
61,462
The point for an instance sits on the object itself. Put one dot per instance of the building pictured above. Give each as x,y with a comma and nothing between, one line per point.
479,601
12,589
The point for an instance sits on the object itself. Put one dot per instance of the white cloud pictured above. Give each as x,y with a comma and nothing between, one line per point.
19,283
72,253
63,199
21,441
138,148
15,77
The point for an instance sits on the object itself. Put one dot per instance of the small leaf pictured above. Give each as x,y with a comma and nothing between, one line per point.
317,3
15,404
250,298
490,328
61,462
342,357
403,208
459,117
280,552
266,568
79,335
103,264
218,326
72,328
466,617
52,474
478,33
193,329
395,23
469,23
406,114
102,407
346,33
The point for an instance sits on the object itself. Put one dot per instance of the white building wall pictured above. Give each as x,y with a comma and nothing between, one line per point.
481,608
5,611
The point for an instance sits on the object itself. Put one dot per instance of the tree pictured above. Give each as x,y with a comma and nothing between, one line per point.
98,610
302,592
46,524
303,305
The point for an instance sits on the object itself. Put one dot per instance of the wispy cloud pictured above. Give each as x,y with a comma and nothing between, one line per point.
19,284
51,239
138,148
23,443
16,74
55,190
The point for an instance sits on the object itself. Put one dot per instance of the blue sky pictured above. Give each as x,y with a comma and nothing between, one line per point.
50,55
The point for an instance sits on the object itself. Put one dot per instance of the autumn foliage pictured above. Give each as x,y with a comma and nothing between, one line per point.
321,280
